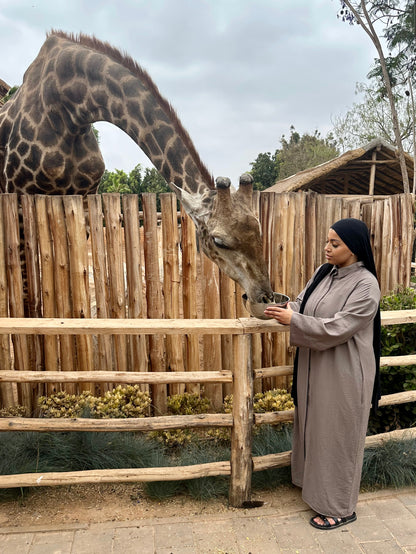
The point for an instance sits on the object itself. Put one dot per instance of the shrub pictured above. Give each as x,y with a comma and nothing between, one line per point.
391,464
121,402
275,400
24,452
173,438
397,340
181,404
187,404
14,411
271,439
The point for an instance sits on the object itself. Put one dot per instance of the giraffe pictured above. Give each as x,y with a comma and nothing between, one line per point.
47,146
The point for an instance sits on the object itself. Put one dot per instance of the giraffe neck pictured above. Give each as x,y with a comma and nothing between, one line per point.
93,82
47,146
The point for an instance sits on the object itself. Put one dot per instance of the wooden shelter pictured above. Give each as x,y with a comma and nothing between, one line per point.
373,169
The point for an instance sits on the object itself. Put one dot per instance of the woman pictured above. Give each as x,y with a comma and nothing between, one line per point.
335,323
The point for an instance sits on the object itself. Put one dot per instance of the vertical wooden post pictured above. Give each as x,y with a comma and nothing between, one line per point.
241,434
154,297
212,343
51,355
116,280
33,300
8,396
385,277
15,291
138,348
396,244
228,309
79,277
104,358
171,284
63,305
189,294
407,230
376,234
258,202
372,173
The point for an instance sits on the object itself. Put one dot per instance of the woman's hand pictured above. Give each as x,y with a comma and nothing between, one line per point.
282,315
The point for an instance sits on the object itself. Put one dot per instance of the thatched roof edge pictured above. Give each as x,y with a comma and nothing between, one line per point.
307,176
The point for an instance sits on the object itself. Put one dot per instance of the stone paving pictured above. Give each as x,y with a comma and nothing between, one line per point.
386,524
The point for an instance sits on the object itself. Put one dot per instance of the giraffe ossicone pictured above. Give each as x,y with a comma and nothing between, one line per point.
47,146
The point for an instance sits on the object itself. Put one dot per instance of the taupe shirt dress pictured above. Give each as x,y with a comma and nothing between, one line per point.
336,370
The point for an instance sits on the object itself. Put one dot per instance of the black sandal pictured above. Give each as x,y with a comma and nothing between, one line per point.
339,521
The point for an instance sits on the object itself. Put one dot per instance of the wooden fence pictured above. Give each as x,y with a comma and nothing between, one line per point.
241,377
132,265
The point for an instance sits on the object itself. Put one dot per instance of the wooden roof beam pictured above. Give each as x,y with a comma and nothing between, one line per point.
372,173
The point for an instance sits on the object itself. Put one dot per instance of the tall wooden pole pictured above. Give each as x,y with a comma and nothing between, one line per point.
241,434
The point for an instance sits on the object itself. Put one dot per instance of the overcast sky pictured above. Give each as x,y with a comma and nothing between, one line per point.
238,72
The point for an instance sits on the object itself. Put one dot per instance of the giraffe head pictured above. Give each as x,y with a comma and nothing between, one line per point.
229,233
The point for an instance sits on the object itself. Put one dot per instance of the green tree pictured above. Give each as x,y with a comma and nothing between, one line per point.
368,13
303,152
134,183
115,181
136,179
155,183
264,170
296,154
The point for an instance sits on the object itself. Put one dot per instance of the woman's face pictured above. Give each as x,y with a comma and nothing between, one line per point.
337,252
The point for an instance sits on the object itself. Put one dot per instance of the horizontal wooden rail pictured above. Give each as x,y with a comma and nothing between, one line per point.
131,377
113,424
285,370
277,371
282,459
271,418
269,461
133,475
177,473
241,326
398,434
397,317
161,377
389,361
164,422
92,326
398,398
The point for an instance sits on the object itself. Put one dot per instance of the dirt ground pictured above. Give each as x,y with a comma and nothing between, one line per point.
116,502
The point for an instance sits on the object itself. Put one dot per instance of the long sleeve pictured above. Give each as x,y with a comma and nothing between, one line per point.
322,333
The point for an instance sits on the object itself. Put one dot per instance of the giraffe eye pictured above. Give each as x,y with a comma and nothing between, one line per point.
219,242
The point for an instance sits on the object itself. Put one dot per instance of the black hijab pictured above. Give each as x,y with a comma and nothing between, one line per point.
354,233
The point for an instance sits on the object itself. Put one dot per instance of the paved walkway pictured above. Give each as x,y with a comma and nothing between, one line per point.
386,524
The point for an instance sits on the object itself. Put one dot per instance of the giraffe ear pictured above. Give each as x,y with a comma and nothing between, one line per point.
245,190
192,204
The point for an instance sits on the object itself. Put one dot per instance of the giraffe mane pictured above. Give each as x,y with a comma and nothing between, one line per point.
129,63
